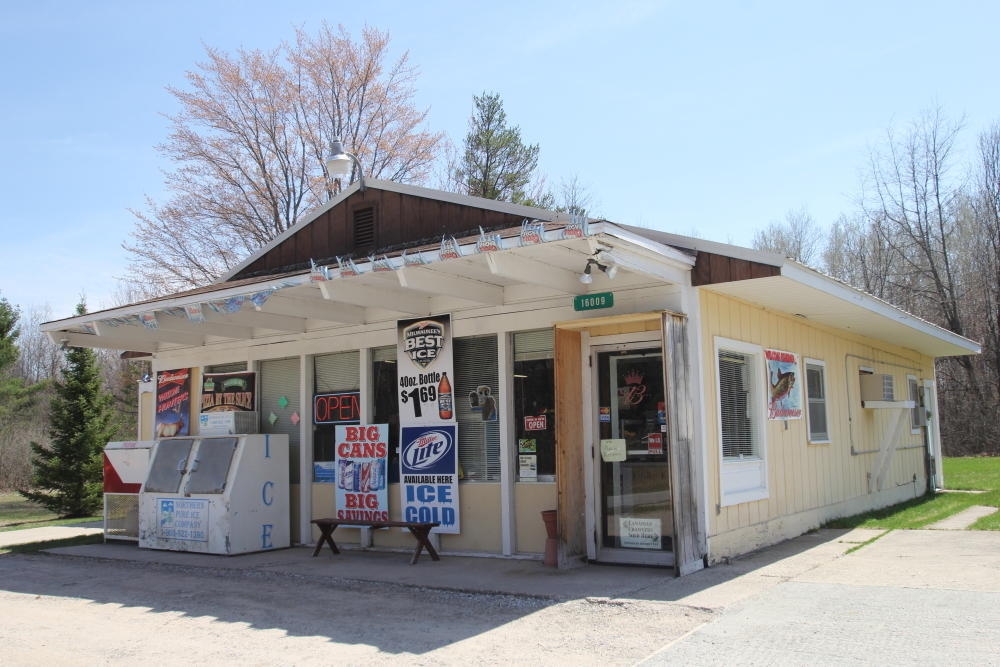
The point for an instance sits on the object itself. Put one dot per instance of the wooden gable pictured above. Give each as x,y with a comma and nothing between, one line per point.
375,221
711,268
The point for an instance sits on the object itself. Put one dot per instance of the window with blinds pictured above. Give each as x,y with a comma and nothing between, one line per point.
279,405
477,397
736,404
816,392
333,373
235,367
337,372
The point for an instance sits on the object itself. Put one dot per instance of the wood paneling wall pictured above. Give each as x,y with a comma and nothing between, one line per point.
401,220
570,448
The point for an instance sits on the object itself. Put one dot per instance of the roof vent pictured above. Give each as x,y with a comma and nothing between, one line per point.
364,228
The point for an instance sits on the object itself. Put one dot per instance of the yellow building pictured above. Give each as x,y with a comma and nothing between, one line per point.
677,401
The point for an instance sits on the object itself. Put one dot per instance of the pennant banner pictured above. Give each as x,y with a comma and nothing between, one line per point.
532,232
449,248
193,312
488,242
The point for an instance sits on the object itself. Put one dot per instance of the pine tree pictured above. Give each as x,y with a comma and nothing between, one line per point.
496,163
67,476
16,396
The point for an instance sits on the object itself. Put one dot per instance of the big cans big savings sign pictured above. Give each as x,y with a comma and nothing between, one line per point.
428,457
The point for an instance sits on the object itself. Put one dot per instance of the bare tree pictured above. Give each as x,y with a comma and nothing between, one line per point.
575,198
942,237
39,357
250,142
798,237
912,205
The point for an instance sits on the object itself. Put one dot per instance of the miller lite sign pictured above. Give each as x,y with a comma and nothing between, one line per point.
428,467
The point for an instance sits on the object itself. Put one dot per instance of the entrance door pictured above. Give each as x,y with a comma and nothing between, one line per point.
634,523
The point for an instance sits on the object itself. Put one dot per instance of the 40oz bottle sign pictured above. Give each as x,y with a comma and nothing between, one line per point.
425,370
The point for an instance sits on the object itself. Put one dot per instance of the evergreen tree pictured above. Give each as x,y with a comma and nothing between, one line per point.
15,394
68,475
496,163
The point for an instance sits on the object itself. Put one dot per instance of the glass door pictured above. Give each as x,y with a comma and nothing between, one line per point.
635,522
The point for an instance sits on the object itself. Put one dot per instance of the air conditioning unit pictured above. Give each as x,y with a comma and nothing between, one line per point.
227,423
877,387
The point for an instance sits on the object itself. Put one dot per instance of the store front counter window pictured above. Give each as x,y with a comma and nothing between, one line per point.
534,401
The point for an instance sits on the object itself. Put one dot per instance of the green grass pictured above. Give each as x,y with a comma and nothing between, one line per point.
16,513
95,538
966,474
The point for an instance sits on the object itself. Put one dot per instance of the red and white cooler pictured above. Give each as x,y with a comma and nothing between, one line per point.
125,467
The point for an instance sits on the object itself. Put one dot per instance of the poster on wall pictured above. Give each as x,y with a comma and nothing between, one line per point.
173,402
229,392
784,391
424,357
428,472
360,466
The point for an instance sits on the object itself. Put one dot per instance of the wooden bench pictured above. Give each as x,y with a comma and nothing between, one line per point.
419,529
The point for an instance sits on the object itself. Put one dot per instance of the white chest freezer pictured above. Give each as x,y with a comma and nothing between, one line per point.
218,495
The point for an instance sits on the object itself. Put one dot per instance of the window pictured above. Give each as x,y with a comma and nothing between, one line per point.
477,398
916,412
279,405
736,388
740,375
385,401
816,393
534,403
333,373
235,367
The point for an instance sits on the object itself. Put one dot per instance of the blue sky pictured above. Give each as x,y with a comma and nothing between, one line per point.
712,119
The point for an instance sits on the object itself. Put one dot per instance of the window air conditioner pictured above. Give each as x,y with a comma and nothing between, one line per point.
877,387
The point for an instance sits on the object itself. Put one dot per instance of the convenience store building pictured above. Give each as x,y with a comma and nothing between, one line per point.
677,401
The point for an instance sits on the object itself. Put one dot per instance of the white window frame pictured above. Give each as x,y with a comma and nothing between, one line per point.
744,479
826,412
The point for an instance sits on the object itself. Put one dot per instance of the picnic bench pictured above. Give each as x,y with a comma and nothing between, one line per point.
420,530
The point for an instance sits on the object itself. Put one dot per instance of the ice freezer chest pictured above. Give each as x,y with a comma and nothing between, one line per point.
218,495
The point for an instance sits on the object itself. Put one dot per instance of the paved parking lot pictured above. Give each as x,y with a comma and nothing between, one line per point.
910,597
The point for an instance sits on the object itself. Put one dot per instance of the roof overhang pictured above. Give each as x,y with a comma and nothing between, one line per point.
815,297
542,260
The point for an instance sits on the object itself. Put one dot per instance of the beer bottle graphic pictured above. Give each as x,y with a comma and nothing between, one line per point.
444,398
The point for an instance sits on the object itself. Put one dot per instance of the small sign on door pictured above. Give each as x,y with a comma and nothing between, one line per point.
613,450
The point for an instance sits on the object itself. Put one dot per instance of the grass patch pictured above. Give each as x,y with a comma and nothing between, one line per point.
16,513
96,538
968,473
14,509
972,473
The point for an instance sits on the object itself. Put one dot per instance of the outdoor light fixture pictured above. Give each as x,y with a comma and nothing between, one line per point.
341,163
609,269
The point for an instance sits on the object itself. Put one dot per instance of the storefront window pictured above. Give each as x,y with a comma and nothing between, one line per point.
279,405
385,401
477,401
334,373
234,367
534,406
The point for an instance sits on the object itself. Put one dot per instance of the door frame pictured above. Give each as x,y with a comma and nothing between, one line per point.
591,347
